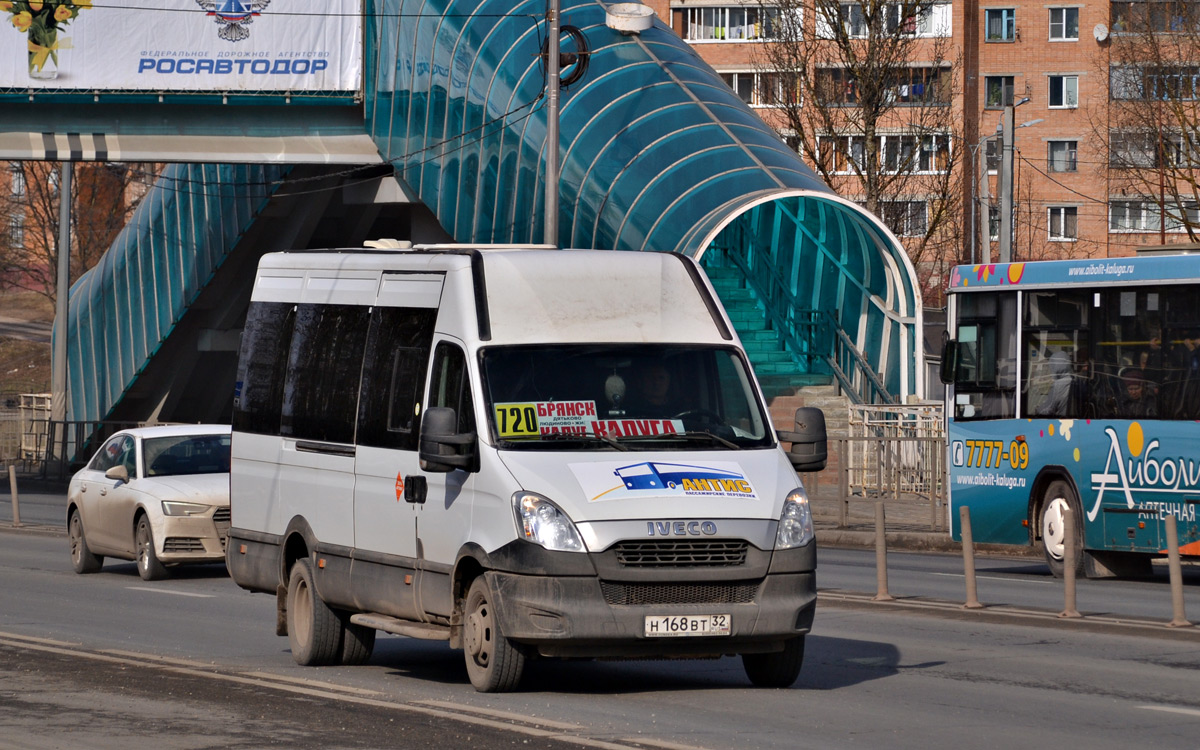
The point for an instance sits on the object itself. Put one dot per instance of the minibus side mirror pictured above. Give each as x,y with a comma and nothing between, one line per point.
809,441
949,361
439,445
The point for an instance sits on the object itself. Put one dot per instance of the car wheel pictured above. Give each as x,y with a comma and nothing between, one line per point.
82,558
314,630
494,663
776,670
358,642
1056,499
149,566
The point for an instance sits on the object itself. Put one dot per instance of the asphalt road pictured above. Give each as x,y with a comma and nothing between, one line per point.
192,662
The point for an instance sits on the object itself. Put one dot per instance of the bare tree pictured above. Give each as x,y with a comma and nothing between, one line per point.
1153,119
103,199
866,91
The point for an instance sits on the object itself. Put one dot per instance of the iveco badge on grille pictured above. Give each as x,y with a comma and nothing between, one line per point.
680,528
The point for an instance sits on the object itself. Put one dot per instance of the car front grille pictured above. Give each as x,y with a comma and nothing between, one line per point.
636,594
222,520
672,554
182,544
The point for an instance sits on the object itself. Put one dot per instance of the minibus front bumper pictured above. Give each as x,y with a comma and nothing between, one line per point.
584,616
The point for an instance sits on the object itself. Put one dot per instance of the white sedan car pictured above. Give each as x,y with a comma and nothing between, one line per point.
158,495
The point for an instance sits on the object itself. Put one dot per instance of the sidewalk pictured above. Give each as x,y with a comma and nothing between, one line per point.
908,526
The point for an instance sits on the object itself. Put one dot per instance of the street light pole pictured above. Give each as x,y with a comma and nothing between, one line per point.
1006,185
58,359
550,227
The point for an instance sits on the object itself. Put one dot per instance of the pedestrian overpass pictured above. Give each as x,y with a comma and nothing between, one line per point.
446,140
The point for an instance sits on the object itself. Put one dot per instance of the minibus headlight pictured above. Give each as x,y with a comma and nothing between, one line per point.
795,522
540,521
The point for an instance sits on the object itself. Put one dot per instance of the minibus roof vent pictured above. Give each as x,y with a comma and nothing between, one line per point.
388,243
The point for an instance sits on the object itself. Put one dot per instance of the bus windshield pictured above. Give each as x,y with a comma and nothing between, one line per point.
621,397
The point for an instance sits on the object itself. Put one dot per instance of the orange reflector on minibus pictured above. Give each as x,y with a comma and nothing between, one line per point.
321,563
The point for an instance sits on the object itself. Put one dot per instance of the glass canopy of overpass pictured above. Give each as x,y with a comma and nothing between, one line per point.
657,154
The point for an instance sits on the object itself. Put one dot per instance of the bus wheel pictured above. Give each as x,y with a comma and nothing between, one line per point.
314,630
494,663
777,670
1058,497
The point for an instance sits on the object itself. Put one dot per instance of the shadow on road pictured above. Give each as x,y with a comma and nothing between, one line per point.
830,664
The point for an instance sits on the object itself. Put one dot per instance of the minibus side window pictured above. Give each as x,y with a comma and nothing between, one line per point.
397,356
320,394
262,367
448,385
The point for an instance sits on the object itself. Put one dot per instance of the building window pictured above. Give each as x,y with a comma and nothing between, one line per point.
1149,216
1001,24
761,89
994,222
909,19
17,178
998,91
991,150
1062,156
730,24
897,153
905,218
16,231
1156,16
1064,24
1180,83
1063,223
1064,91
910,86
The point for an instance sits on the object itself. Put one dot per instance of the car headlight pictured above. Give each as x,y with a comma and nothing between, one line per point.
795,522
177,508
540,521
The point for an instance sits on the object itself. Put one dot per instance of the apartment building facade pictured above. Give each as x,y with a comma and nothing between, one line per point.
1086,159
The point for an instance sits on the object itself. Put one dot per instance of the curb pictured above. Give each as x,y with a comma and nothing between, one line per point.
916,541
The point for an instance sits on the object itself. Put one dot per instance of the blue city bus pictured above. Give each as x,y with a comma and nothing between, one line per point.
1076,383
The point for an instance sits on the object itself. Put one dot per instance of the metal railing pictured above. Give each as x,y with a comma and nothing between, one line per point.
813,336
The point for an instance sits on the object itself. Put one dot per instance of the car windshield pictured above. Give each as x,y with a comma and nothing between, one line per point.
186,454
621,397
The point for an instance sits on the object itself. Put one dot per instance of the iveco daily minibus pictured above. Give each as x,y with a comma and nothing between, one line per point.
528,453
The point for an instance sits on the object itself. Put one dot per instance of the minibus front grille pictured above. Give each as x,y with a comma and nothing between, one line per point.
673,554
636,594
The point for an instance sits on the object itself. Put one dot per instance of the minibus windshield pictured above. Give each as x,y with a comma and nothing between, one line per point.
621,397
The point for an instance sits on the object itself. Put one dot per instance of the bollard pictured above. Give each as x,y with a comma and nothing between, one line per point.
12,483
968,547
1069,565
881,556
1180,619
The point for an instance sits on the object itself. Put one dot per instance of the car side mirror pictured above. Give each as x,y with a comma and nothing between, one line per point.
949,361
441,449
118,473
810,444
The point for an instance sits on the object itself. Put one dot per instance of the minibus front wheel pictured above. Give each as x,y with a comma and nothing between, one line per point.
777,669
494,663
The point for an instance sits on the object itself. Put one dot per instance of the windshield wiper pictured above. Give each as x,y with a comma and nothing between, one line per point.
687,435
582,437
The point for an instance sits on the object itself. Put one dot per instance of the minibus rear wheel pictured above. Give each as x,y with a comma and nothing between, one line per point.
494,663
314,630
777,669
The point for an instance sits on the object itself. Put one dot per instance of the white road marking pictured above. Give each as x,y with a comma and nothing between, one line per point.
169,591
1173,710
992,578
523,718
274,682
